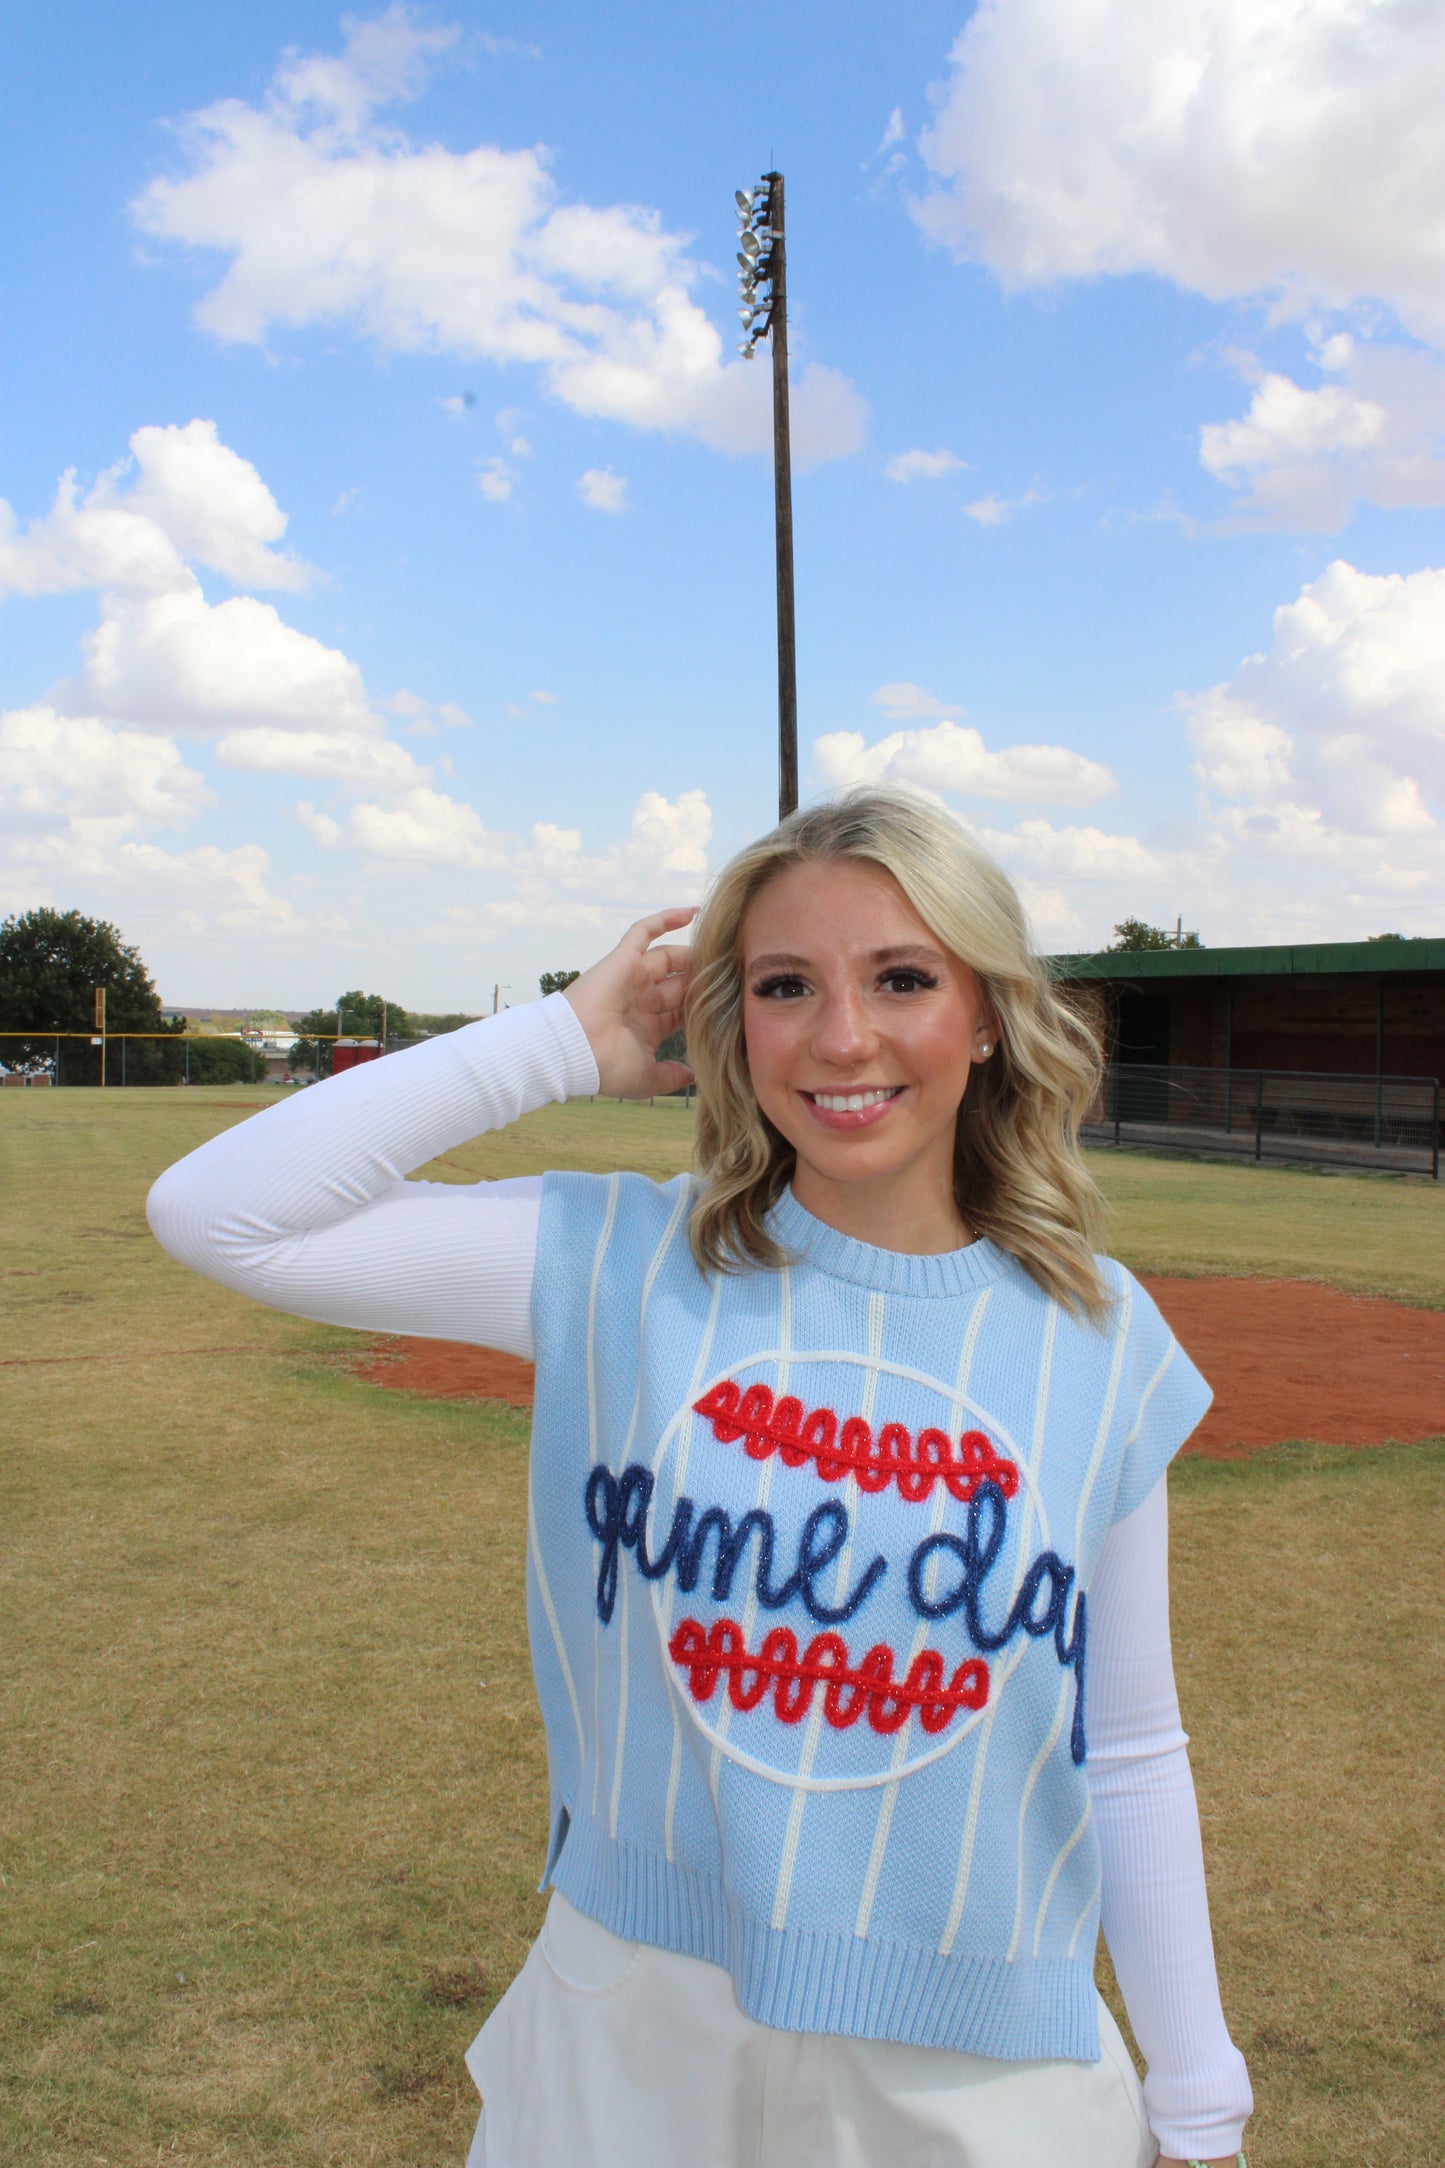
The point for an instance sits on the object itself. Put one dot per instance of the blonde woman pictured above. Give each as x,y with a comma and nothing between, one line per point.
847,1549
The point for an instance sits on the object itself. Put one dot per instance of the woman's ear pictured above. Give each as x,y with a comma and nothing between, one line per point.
985,1039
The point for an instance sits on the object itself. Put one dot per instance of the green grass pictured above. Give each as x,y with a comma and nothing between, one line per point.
269,1844
1369,1234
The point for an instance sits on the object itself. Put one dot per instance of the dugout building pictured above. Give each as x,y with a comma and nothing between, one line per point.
1244,1041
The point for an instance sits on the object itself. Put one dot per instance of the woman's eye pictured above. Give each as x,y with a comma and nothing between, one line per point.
780,988
907,982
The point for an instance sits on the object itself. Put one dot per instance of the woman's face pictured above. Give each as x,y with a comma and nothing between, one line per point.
860,1031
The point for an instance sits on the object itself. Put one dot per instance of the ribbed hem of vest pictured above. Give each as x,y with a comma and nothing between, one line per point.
886,1272
806,1980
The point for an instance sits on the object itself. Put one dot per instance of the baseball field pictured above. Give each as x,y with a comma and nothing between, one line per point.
272,1780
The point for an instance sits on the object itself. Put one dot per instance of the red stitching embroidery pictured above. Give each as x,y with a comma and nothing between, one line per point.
895,1455
705,1655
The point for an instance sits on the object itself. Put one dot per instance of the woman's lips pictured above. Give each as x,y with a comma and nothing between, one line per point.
833,1110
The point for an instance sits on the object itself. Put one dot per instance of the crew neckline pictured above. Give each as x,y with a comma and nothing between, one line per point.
886,1272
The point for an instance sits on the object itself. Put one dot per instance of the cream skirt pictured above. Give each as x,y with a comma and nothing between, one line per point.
611,2054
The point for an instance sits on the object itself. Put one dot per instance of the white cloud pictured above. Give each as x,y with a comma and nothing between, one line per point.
190,498
993,511
1303,457
1339,731
177,660
495,480
320,826
327,216
666,844
425,827
953,759
385,60
198,901
213,505
1079,854
360,761
906,699
603,490
78,767
162,659
544,699
1322,766
920,466
1234,146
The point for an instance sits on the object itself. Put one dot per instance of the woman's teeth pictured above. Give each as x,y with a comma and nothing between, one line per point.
852,1102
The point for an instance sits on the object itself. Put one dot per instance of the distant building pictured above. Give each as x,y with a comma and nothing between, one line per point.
1355,1008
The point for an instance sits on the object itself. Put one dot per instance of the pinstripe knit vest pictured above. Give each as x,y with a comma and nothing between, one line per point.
808,1561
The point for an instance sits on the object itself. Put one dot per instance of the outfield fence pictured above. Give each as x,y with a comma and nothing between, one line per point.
1385,1122
118,1058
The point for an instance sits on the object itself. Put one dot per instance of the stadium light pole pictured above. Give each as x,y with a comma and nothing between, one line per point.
762,264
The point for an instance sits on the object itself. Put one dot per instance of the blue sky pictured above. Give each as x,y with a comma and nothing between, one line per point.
407,618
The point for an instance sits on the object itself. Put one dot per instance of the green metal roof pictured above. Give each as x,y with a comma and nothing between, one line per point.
1368,958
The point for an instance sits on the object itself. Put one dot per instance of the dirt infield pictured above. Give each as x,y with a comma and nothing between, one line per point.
1286,1358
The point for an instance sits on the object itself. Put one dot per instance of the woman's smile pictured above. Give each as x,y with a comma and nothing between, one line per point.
853,1109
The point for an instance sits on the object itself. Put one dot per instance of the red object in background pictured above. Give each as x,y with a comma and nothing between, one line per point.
348,1053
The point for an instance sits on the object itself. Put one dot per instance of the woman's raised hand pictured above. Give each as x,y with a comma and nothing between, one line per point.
629,1002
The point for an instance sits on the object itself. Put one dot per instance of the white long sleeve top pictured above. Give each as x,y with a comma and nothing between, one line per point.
306,1207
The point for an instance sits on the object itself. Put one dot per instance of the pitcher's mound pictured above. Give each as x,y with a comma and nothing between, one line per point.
1286,1359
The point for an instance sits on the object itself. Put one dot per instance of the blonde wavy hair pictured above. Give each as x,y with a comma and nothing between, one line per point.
1018,1174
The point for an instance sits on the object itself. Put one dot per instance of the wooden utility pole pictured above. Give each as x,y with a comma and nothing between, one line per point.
783,507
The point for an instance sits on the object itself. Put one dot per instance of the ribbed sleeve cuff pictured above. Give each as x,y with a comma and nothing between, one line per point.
1206,2141
578,1063
525,1058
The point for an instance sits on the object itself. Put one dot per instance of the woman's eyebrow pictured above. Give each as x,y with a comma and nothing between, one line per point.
909,951
913,951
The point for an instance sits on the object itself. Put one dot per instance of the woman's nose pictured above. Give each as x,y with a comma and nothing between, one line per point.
843,1034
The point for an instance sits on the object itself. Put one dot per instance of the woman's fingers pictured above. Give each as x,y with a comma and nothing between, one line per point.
668,960
647,930
673,1075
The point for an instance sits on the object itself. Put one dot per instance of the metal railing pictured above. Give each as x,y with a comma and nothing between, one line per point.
1387,1122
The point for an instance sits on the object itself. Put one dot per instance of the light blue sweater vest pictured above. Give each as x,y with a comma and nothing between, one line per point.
808,1561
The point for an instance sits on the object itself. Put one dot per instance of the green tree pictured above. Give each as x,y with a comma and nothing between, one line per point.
427,1026
1387,937
1133,934
361,1017
552,982
226,1061
50,964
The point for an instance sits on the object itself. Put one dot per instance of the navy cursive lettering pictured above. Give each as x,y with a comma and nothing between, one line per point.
616,1509
1039,1608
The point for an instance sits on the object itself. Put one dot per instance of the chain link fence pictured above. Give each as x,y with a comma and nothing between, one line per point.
1383,1122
